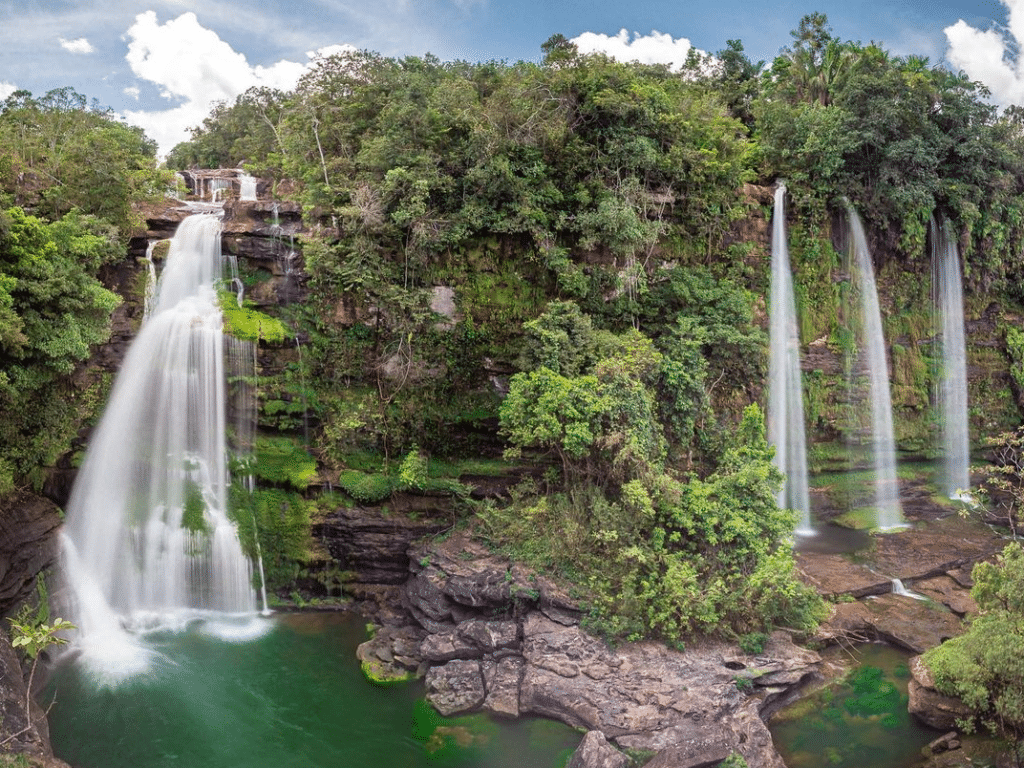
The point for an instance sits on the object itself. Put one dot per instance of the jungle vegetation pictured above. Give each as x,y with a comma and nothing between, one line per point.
608,335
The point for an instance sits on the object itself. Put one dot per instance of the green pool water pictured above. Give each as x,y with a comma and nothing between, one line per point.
293,697
861,722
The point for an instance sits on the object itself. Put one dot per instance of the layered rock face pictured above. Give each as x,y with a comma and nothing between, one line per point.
492,636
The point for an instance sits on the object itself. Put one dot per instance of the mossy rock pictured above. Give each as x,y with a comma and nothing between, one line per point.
382,673
249,324
859,519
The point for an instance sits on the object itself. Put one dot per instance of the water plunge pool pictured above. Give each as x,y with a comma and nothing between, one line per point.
294,697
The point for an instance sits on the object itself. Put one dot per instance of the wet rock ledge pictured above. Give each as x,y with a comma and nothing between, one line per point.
489,635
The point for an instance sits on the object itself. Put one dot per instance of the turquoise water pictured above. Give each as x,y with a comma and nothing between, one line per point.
861,722
294,697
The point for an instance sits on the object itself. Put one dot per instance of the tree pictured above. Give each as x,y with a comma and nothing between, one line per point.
983,666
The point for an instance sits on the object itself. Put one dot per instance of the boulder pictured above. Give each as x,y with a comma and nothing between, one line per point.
456,687
502,678
594,751
932,708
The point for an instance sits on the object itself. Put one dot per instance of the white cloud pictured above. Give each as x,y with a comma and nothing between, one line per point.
655,48
132,91
81,45
993,55
6,89
194,68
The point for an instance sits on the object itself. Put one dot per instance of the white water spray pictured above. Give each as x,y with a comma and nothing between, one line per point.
949,305
887,502
148,537
785,391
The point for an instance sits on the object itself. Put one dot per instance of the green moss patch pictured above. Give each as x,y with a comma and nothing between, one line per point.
283,461
249,324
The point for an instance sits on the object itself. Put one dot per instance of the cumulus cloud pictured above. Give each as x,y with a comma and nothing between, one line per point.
81,45
132,91
194,69
992,56
6,89
655,48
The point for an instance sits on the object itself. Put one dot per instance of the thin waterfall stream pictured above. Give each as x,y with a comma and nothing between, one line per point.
887,502
786,430
949,305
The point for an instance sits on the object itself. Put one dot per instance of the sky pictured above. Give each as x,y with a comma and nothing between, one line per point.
161,64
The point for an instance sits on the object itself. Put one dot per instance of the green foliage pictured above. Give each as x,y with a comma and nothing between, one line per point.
36,637
273,524
982,667
1015,349
249,324
897,136
659,556
52,311
753,642
283,461
735,760
65,155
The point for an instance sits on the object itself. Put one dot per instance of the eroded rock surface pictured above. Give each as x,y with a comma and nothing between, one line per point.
504,640
28,527
902,621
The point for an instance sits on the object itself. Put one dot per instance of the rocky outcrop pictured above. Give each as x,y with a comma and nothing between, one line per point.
595,752
899,620
28,526
501,639
932,708
375,546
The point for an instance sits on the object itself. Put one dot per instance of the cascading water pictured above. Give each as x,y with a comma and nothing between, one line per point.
246,186
949,305
887,501
785,399
148,538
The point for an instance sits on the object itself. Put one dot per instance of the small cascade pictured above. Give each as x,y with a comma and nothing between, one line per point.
899,589
150,292
785,399
148,539
246,186
233,279
302,386
887,502
952,394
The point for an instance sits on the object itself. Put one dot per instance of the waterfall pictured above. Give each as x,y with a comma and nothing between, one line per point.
785,392
148,538
887,501
246,186
949,305
150,293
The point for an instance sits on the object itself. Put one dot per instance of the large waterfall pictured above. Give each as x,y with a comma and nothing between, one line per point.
949,303
148,535
785,391
887,501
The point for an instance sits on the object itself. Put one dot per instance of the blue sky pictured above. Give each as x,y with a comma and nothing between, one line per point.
160,63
